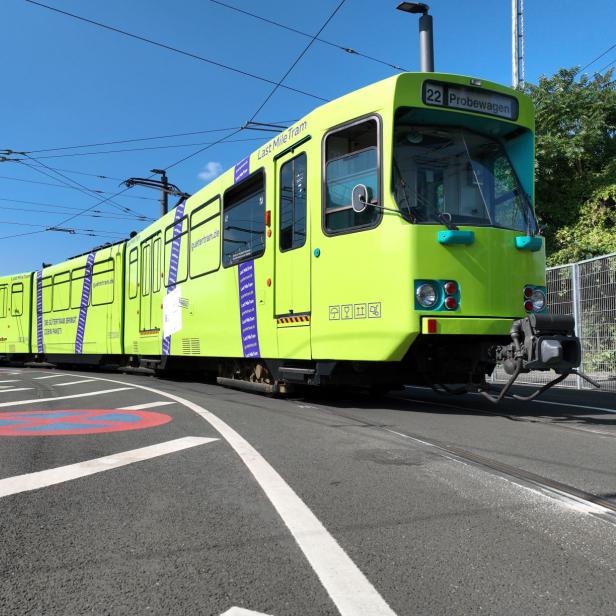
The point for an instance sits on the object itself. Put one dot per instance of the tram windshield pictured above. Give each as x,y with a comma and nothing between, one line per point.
449,171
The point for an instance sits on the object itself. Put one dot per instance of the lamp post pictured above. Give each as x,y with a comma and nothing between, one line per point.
426,44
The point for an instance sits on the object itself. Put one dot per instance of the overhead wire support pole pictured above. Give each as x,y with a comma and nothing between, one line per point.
165,187
517,43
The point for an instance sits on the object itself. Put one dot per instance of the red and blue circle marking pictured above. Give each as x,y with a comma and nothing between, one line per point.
63,423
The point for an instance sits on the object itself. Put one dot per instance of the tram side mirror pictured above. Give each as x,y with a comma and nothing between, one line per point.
360,198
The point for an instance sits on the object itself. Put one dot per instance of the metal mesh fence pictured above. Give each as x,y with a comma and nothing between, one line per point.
586,290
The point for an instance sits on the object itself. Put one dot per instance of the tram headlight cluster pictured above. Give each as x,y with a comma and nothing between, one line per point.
427,295
437,295
534,299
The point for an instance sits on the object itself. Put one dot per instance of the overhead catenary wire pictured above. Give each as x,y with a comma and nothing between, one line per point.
344,48
273,91
172,49
100,192
607,66
136,139
598,58
57,208
299,57
142,149
85,173
83,189
209,145
57,228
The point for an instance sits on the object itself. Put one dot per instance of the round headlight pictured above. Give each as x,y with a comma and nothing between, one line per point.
538,300
426,295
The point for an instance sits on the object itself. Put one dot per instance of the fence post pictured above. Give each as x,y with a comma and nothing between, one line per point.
577,313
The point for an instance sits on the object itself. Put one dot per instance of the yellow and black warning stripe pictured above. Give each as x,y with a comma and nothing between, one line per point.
300,318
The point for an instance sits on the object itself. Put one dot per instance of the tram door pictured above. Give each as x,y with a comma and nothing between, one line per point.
150,279
292,281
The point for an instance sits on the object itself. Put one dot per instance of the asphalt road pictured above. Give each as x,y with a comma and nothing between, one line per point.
217,500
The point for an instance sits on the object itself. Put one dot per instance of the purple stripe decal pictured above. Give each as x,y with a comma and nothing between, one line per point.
241,170
85,300
248,309
174,260
39,311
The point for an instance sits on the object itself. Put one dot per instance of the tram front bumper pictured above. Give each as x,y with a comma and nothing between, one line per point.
473,326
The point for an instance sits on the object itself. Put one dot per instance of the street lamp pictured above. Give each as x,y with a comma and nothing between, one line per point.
426,45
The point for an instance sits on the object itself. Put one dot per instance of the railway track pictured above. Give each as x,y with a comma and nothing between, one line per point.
511,416
567,494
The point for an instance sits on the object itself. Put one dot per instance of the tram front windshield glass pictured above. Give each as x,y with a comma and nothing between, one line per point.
442,171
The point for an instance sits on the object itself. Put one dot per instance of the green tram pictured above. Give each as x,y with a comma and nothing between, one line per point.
388,237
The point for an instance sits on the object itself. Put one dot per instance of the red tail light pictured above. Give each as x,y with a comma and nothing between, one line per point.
451,303
451,287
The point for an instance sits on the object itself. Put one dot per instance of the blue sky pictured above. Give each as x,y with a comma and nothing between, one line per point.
69,83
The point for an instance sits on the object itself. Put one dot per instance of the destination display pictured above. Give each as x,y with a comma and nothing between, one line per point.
470,99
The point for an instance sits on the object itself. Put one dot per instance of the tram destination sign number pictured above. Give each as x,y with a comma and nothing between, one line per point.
469,99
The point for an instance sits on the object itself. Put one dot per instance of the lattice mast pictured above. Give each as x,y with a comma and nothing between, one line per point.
517,43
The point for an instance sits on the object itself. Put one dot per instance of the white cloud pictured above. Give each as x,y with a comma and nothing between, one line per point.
211,170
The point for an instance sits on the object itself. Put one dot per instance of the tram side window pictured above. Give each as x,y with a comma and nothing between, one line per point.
133,270
3,302
156,264
176,252
293,203
77,276
17,299
244,221
205,239
61,291
146,273
47,288
352,158
103,279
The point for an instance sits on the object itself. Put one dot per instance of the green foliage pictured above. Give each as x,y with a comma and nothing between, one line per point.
576,163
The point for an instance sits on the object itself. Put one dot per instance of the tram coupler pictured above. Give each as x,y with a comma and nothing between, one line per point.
540,342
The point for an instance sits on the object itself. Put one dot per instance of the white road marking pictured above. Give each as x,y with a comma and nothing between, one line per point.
74,383
240,611
6,391
42,479
37,400
148,405
349,589
50,376
11,381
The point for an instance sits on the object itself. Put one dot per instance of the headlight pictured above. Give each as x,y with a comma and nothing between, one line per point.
426,295
538,300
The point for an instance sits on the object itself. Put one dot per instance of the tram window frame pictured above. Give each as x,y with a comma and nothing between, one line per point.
157,265
193,227
97,271
4,292
47,283
133,263
183,222
146,267
61,307
372,117
14,293
293,245
78,273
237,196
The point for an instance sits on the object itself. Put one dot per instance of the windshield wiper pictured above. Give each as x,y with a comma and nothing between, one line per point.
412,212
445,218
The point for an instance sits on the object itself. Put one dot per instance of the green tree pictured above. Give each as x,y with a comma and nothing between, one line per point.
576,163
